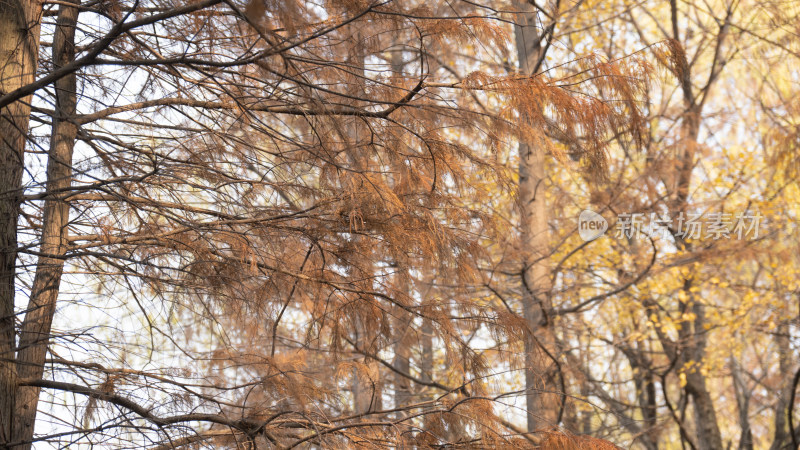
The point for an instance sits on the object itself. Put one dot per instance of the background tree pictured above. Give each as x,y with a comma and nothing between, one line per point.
297,225
673,354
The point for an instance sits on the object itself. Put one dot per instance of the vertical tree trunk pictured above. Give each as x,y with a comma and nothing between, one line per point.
649,411
586,416
403,320
35,331
366,387
367,390
426,344
707,429
693,342
694,337
781,435
742,394
541,408
19,45
402,352
403,340
646,395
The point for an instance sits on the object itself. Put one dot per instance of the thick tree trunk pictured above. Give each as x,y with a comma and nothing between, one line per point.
35,331
19,44
541,408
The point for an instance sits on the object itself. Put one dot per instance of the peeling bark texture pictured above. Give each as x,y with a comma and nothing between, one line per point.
19,42
35,330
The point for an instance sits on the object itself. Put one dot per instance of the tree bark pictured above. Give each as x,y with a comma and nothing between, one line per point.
646,395
35,330
743,394
693,343
541,408
403,341
426,350
693,340
367,388
694,337
403,337
781,435
19,44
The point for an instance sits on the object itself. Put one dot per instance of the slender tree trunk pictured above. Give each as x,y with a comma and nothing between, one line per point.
19,45
649,411
426,344
402,336
402,348
709,436
742,405
586,416
367,387
781,435
35,331
693,348
402,353
367,390
694,339
646,395
541,408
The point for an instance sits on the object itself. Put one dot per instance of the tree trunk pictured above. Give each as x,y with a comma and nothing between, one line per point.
426,349
35,331
742,405
694,339
402,361
403,340
646,395
367,388
19,44
706,427
541,408
781,435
